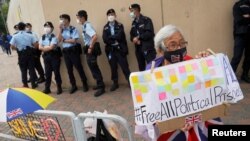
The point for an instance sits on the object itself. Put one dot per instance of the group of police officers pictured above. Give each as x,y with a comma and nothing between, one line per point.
29,49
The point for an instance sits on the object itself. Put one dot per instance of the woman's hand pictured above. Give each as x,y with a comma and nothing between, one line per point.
202,54
187,127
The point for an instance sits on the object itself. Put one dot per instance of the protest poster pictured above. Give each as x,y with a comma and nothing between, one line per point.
37,127
182,89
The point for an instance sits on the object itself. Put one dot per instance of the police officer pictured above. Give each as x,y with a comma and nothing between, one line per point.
23,42
90,37
16,28
142,35
51,56
37,55
68,35
116,47
241,13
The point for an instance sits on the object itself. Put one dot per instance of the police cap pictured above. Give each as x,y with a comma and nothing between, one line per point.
110,11
48,24
81,13
65,16
135,6
16,26
21,25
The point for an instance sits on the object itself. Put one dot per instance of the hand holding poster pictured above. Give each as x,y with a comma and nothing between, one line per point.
182,89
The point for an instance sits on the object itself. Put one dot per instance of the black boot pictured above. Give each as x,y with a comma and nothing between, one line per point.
99,92
34,85
46,91
85,86
245,77
114,86
59,89
41,80
73,89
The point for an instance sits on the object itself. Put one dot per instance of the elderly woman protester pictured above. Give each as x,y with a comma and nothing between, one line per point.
171,48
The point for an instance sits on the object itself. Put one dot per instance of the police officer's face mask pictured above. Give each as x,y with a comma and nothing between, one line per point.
111,18
61,22
175,56
27,29
132,14
78,21
47,30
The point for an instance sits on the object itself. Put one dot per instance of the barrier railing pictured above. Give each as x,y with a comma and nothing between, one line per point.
77,122
116,118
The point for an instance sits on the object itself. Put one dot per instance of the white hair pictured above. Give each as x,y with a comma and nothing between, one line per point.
163,34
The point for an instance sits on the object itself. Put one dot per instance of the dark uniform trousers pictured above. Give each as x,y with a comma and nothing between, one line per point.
115,58
95,70
38,66
144,57
26,62
52,64
241,43
72,58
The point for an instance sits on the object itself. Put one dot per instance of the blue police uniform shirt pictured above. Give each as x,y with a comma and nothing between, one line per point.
112,28
88,33
69,33
48,40
22,39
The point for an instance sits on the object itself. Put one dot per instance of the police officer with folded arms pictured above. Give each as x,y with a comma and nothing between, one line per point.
68,35
51,56
90,38
116,47
37,55
23,42
142,35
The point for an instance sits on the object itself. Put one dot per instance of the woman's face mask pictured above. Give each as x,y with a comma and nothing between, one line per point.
47,30
175,56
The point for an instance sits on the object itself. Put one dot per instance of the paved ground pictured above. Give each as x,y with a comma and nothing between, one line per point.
119,102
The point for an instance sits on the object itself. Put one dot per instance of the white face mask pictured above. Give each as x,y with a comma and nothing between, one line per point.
78,21
61,22
47,30
111,18
27,29
132,15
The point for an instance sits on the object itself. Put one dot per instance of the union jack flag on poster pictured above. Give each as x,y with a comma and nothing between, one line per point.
14,113
197,133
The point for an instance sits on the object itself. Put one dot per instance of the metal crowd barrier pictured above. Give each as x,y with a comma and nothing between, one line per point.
82,116
77,122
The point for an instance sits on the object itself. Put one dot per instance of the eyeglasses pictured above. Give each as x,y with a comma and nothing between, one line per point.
175,45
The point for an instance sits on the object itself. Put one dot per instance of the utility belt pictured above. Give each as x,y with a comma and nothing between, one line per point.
36,52
96,50
56,52
114,48
73,49
25,52
50,53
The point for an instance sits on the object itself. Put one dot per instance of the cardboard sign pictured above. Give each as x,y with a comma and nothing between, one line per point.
182,89
37,127
178,123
